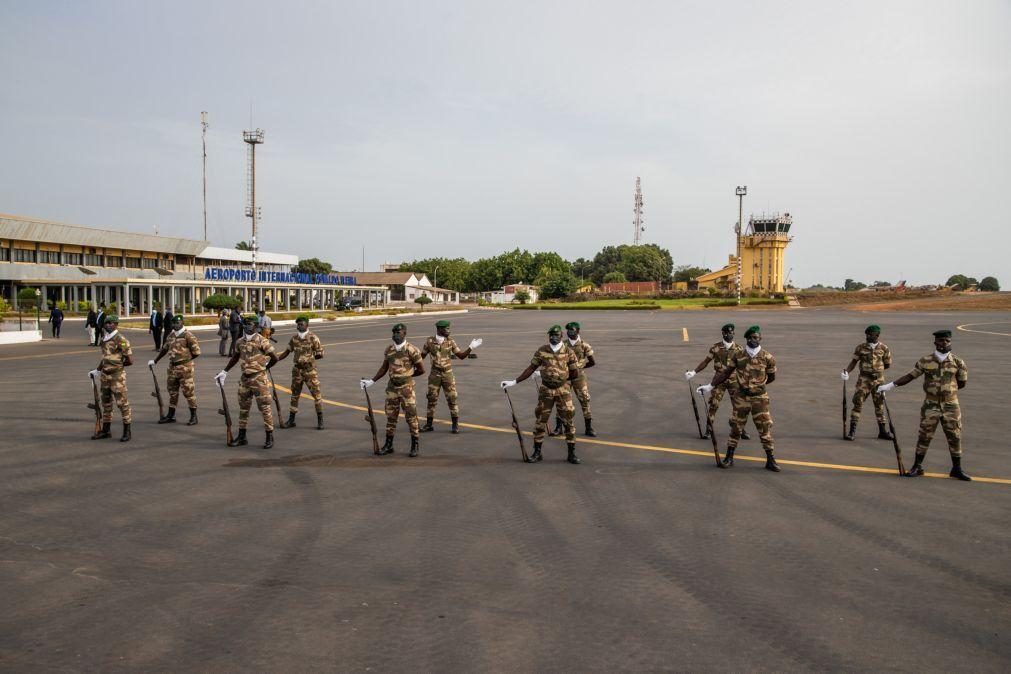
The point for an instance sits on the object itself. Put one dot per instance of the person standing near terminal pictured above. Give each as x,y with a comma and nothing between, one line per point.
154,327
874,358
720,354
116,356
56,318
442,348
558,366
235,328
944,375
99,324
755,369
266,325
166,324
223,332
257,356
307,349
182,348
403,361
89,324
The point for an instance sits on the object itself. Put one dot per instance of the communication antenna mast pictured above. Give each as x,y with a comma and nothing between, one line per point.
203,139
252,139
639,220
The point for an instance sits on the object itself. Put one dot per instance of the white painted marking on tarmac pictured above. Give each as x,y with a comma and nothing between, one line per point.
966,328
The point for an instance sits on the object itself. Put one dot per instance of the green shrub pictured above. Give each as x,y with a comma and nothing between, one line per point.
4,305
219,302
423,300
62,306
83,307
26,298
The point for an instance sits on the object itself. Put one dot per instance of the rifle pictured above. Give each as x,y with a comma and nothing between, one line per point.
895,436
712,436
844,408
156,393
277,403
224,412
695,408
516,427
97,406
371,418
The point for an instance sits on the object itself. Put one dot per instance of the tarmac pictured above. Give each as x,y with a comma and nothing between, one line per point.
175,553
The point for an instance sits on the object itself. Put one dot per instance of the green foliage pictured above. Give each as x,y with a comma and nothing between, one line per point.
454,273
614,277
4,306
989,284
582,268
244,245
313,265
880,284
686,272
83,307
423,300
26,298
850,284
962,281
62,306
557,284
647,262
219,302
522,296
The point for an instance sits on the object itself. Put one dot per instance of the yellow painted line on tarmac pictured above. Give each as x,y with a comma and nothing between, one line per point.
966,328
684,334
671,450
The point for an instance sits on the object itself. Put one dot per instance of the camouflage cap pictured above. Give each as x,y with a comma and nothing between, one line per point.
442,324
728,326
302,317
943,333
572,325
399,326
112,318
872,328
555,330
752,330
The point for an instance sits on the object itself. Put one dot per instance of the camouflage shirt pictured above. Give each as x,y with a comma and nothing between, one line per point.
555,367
442,354
583,352
114,352
941,379
401,363
753,373
872,362
181,349
254,354
721,355
305,351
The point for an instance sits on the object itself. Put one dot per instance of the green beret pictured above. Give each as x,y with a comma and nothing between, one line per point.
303,317
572,324
555,330
177,317
873,328
251,318
752,330
728,326
112,318
399,326
943,333
442,324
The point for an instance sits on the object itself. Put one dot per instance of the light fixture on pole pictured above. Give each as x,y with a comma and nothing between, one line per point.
741,191
436,275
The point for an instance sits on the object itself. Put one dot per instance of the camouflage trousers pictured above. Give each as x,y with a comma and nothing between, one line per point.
949,415
113,386
866,386
758,407
442,380
715,398
397,397
181,377
581,389
310,378
256,386
547,399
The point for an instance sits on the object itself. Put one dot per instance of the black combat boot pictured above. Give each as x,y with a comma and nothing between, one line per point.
770,462
590,433
193,417
744,435
290,423
852,433
536,456
883,433
414,448
240,439
573,459
559,428
428,427
917,469
319,421
728,459
106,432
169,418
388,447
456,426
705,434
269,441
126,433
956,469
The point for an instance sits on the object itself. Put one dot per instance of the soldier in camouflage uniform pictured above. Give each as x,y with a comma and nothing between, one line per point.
442,348
558,367
403,361
307,349
944,374
580,387
116,355
183,349
257,356
874,358
719,354
755,369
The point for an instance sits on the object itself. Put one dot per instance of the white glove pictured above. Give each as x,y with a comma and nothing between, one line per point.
689,374
365,383
220,377
507,384
150,363
704,389
885,388
845,375
474,343
94,373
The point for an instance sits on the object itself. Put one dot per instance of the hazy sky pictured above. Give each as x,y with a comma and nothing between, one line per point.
467,128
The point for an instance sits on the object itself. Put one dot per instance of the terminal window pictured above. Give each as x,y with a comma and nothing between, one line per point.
5,254
49,256
93,260
133,262
113,260
24,255
72,258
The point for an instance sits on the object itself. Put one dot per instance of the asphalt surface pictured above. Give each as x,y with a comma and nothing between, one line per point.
175,553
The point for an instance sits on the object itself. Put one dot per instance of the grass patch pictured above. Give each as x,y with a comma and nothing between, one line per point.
651,304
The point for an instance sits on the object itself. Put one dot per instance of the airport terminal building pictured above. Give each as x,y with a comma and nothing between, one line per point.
74,264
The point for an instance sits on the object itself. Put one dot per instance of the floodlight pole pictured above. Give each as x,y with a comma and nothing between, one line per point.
741,191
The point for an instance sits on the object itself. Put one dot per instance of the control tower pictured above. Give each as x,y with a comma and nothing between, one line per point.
763,248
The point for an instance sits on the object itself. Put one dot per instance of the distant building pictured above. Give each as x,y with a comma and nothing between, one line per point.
632,288
406,286
763,248
507,294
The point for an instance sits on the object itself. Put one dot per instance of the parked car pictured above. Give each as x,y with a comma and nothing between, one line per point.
350,303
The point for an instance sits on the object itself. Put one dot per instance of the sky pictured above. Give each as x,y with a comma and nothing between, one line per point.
463,129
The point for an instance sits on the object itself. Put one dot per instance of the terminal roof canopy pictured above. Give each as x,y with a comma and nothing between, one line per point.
29,229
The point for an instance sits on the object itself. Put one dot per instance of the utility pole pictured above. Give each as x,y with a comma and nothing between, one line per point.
252,139
203,140
637,210
741,191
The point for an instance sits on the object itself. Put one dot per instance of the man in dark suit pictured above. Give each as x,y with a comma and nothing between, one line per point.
56,318
235,327
99,323
89,324
154,327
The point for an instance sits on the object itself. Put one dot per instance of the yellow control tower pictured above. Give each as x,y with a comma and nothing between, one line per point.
763,247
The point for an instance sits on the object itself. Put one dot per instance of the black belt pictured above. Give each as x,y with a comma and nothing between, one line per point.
182,362
752,392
